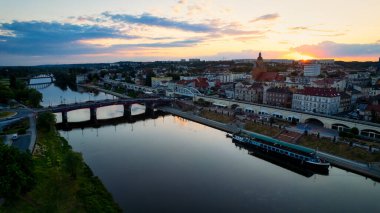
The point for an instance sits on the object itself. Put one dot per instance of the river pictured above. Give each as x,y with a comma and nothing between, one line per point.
169,164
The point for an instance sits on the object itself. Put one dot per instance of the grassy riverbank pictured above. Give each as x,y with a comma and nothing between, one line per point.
339,149
64,183
216,117
262,129
322,144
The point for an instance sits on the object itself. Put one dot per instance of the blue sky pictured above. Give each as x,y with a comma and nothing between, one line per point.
54,32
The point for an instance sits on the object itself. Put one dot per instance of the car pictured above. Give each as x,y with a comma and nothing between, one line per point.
14,136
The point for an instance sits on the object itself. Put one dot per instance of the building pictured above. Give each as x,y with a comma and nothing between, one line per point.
260,73
358,79
259,67
311,70
316,100
162,81
249,92
345,102
277,96
339,84
326,61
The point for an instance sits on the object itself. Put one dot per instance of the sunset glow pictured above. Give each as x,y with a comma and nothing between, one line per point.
70,32
298,56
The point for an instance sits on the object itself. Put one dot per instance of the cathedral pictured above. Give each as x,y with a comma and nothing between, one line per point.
261,74
259,68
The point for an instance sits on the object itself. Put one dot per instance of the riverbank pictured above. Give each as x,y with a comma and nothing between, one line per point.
359,168
64,183
103,90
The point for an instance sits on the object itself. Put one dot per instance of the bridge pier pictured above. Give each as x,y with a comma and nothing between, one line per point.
64,116
93,114
149,109
127,111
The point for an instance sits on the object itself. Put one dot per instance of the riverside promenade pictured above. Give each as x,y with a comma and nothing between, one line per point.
372,172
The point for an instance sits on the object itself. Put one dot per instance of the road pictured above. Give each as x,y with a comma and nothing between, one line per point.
21,114
28,140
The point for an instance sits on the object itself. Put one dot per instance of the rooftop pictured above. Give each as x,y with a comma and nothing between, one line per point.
315,91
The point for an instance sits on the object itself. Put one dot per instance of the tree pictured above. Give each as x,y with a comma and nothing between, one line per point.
46,121
34,98
355,131
271,121
5,94
12,81
72,162
16,172
148,79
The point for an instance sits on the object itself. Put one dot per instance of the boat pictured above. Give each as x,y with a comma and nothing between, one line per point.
302,155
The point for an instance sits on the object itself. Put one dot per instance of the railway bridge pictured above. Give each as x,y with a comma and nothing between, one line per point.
366,129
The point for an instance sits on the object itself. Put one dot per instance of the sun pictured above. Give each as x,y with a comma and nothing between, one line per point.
299,56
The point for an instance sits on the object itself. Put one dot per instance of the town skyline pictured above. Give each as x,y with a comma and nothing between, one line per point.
69,32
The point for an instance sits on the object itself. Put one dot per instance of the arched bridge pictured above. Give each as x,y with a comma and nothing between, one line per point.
150,104
42,76
366,129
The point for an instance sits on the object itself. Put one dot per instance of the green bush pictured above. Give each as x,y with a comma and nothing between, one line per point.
16,172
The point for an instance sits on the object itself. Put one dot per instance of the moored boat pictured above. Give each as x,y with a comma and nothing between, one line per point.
303,155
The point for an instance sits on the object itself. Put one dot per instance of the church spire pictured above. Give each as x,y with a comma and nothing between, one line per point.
260,58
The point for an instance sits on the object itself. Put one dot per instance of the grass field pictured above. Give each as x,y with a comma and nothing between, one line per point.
216,116
19,127
262,129
4,81
339,149
6,114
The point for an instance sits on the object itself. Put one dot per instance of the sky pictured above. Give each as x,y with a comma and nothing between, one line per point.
34,32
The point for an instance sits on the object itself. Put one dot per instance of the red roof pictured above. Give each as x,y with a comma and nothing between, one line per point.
315,91
267,76
375,108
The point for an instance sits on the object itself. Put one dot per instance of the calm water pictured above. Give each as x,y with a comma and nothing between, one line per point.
170,164
53,95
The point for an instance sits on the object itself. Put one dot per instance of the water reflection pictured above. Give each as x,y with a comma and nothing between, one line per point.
162,165
169,164
53,95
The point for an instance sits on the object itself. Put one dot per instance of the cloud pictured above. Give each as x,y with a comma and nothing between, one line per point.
332,49
44,38
299,28
244,54
178,43
266,17
151,20
249,38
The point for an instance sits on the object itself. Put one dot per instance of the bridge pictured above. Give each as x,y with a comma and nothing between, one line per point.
186,91
150,104
366,129
40,85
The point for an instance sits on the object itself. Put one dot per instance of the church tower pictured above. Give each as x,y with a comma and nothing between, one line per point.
259,68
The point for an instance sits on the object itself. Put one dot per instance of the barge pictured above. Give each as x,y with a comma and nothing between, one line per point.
304,156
